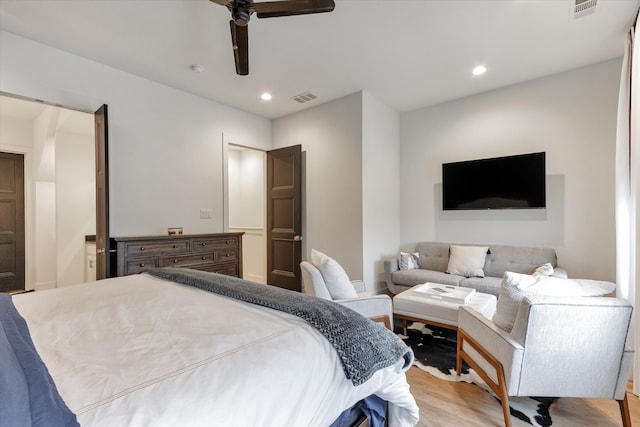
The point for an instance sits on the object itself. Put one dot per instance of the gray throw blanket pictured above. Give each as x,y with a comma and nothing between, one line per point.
362,345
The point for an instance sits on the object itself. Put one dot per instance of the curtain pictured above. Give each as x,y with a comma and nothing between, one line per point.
628,188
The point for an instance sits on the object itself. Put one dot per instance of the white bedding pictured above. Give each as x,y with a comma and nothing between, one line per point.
141,351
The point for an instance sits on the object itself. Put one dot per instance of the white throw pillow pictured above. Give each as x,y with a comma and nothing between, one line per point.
467,261
516,287
336,279
408,261
545,269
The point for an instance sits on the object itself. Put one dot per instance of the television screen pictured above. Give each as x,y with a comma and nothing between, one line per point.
512,182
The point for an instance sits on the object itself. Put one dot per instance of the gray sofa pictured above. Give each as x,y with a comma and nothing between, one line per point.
434,259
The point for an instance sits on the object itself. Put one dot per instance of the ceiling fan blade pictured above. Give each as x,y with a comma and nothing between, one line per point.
272,9
240,43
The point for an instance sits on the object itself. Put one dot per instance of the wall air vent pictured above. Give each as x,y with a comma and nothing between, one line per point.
582,8
304,97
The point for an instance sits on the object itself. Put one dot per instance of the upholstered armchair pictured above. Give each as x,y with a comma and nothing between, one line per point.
558,347
376,307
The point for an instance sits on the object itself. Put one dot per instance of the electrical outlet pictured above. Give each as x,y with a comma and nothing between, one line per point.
205,213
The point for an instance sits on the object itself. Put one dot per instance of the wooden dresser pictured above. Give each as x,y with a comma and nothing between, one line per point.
219,253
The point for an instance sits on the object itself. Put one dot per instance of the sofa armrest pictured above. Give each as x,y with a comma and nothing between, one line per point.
390,265
373,306
497,341
560,272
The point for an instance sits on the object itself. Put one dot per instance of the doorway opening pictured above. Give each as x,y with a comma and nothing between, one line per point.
246,169
58,145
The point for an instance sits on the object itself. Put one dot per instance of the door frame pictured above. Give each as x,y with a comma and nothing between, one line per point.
30,274
226,142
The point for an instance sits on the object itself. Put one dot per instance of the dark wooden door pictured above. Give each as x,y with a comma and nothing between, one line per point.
103,252
284,217
12,235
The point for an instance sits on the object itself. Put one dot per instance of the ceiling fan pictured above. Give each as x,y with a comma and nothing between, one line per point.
241,11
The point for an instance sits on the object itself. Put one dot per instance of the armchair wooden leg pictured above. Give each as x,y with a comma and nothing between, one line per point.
624,411
499,388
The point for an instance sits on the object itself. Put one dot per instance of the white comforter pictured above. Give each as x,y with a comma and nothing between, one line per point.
141,351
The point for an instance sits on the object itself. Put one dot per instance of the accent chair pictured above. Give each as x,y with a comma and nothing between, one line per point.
558,347
376,307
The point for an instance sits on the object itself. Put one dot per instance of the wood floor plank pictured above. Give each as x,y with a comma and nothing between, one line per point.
451,404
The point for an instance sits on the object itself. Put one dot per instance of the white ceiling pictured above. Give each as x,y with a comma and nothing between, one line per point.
67,121
406,53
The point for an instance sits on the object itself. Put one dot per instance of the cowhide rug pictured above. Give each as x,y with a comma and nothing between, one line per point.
435,352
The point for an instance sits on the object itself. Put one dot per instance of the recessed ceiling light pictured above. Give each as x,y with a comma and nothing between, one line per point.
479,70
266,96
197,68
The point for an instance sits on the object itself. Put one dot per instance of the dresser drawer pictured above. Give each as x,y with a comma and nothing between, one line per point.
228,269
214,243
140,264
226,256
142,248
187,260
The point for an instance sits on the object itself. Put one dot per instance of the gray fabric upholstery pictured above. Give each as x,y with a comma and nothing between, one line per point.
366,304
559,346
434,259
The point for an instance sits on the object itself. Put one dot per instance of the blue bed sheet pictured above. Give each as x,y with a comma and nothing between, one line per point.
28,395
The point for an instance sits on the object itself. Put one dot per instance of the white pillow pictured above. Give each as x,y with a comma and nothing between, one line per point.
336,279
516,287
467,261
408,261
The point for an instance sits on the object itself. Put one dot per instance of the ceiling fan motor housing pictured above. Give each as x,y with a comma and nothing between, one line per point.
240,12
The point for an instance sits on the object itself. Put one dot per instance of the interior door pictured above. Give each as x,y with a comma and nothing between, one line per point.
284,217
103,250
12,233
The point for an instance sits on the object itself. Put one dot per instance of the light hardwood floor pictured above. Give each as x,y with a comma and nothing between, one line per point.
444,403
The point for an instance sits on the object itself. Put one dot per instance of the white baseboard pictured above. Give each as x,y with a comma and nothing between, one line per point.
45,285
254,278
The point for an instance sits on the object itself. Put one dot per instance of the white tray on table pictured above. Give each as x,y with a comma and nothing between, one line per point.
440,292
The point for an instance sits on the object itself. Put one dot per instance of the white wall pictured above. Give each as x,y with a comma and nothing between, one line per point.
331,139
75,203
165,145
380,185
572,117
247,187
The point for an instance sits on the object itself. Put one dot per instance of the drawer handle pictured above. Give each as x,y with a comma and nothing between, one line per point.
142,248
175,261
228,242
227,255
203,244
204,257
175,246
142,265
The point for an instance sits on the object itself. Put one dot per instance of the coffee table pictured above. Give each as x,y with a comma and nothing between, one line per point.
408,306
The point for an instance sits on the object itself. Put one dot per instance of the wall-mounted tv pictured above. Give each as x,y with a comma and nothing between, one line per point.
511,182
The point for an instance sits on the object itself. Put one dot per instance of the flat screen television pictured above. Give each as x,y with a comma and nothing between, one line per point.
511,182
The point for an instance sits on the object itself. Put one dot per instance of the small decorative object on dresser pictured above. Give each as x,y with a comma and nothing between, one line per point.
218,253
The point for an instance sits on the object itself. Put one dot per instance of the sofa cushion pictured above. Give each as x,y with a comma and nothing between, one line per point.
515,287
486,285
467,261
517,259
336,279
420,276
433,255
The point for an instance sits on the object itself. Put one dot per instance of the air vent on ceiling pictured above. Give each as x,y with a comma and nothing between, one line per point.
304,97
582,8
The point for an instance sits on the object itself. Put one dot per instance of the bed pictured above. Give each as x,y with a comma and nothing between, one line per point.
147,350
